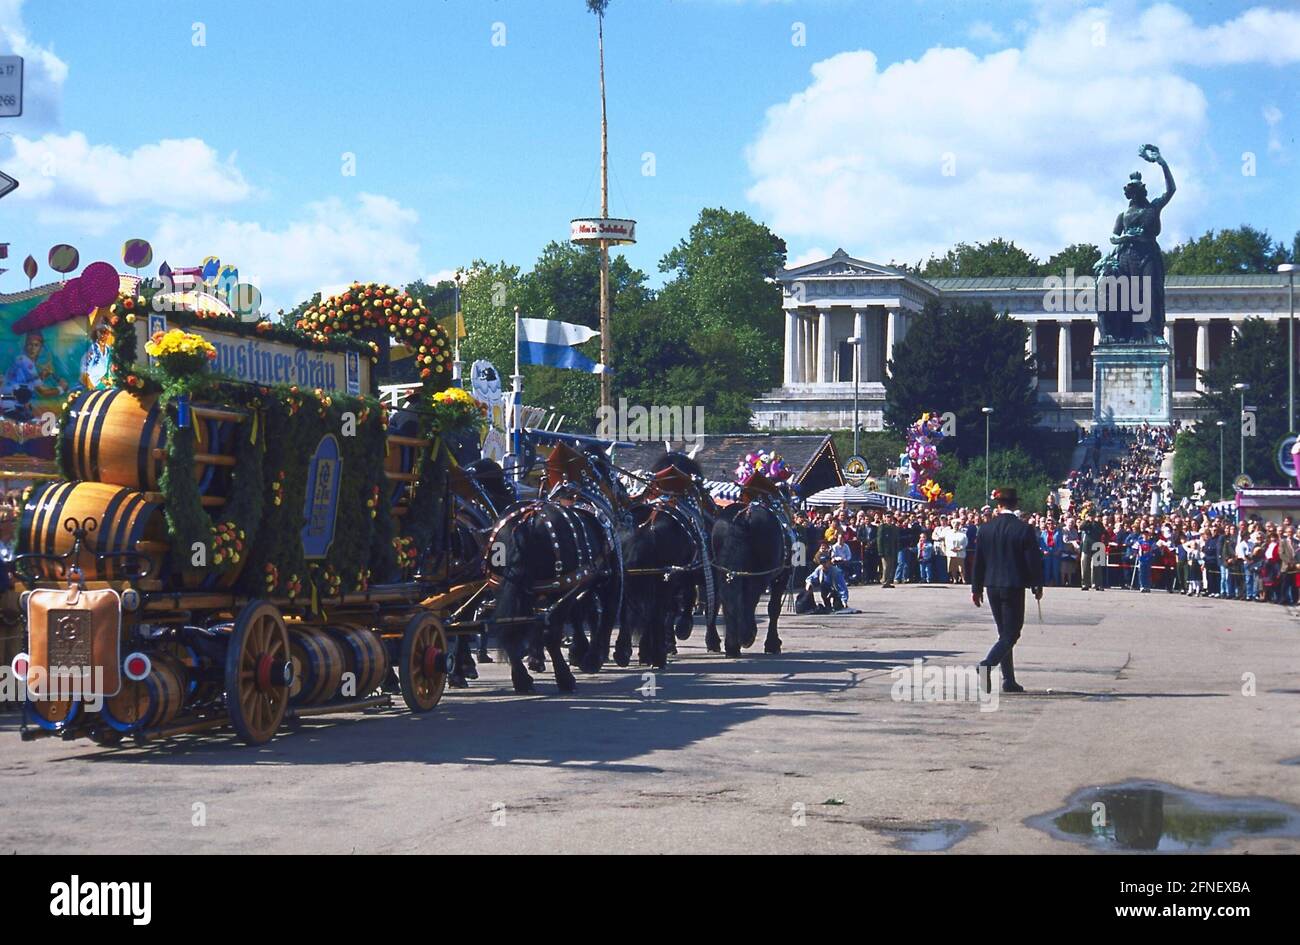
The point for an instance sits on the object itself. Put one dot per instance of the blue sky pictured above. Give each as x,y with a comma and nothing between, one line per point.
893,129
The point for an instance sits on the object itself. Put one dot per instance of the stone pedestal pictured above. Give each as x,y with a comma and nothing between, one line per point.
1132,384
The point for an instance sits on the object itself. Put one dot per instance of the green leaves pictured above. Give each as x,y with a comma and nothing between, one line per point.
1256,357
1232,251
961,358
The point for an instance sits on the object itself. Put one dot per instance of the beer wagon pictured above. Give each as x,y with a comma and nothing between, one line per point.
243,534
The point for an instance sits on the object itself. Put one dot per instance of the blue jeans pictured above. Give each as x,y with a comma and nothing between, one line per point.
900,570
1225,581
1144,574
841,586
1051,570
1252,583
927,576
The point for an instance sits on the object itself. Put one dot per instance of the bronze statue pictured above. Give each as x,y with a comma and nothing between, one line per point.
1131,279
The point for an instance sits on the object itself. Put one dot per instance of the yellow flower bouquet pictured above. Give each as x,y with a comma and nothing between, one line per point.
180,352
455,410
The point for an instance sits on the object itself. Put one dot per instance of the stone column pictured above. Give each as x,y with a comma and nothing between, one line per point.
787,368
796,348
825,353
1031,350
1202,351
1064,370
874,359
860,352
1169,334
891,335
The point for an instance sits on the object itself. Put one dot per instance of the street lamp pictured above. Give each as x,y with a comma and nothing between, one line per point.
1241,387
1289,269
988,414
1220,424
855,341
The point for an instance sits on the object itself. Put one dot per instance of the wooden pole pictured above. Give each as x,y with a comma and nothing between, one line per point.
605,343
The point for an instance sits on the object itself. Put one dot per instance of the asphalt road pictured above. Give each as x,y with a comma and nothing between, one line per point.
808,751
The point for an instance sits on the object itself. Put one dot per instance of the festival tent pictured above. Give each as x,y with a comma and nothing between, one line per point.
841,495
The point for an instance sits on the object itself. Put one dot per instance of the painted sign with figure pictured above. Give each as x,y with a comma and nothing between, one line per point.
40,365
324,475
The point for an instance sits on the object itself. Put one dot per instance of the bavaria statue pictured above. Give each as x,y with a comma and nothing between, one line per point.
1131,279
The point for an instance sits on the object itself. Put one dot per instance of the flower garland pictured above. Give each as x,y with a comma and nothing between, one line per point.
371,306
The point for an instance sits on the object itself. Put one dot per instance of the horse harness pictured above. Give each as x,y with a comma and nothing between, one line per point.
779,510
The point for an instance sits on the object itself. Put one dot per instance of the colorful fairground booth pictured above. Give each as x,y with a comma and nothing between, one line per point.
220,521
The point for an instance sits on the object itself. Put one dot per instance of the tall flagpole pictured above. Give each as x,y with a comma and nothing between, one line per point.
516,408
457,368
605,345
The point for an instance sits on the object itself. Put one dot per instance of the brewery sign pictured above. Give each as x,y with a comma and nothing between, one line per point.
320,511
589,230
267,361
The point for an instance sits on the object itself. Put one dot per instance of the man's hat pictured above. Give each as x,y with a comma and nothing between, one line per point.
1006,496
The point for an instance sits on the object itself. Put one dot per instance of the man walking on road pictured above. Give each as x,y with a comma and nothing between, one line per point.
1007,560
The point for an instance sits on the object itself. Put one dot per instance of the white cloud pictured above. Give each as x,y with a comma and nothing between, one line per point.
43,72
332,243
983,31
1041,137
91,185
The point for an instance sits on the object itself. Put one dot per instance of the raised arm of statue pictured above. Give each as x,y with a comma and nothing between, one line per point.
1149,152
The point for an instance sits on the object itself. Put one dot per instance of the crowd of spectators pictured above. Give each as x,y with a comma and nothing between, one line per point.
1111,527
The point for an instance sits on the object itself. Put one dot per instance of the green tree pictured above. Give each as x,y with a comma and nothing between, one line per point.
994,258
712,337
1013,467
1226,252
961,358
1256,357
1080,257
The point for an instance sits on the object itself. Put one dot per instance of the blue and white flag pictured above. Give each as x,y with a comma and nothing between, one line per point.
550,342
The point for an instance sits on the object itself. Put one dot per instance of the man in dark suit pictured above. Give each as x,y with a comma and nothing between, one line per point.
1007,561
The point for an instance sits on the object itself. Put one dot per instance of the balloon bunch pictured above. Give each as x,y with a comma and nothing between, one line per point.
770,463
923,459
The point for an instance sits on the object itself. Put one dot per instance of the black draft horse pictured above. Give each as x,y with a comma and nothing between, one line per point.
752,551
554,563
666,559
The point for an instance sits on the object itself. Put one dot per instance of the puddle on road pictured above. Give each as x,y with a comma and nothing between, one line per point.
1153,817
931,836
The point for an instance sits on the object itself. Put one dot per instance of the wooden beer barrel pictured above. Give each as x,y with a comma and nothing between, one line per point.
317,666
150,702
126,521
364,656
118,437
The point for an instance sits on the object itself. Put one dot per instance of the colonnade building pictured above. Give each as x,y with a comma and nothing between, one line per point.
828,302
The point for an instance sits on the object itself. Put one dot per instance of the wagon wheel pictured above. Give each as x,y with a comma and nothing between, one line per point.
424,662
258,672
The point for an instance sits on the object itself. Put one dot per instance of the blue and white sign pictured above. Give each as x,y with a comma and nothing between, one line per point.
353,367
324,475
11,86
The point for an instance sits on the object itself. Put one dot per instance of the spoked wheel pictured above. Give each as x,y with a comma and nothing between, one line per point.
424,663
258,672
